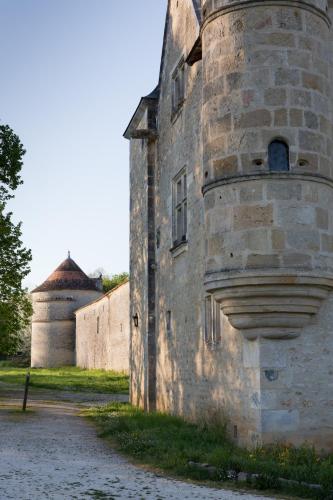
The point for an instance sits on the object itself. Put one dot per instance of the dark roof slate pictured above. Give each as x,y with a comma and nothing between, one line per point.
68,276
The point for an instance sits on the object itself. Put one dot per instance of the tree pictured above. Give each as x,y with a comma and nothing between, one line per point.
15,306
110,282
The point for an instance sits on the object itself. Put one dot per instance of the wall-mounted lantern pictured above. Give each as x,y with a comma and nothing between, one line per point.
136,320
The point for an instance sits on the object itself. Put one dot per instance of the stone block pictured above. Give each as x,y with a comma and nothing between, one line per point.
297,260
273,355
275,97
280,39
267,57
257,261
287,19
213,88
303,240
278,239
251,193
327,243
225,166
263,400
257,118
251,354
235,81
310,141
295,117
220,126
280,118
256,240
311,120
300,98
311,81
284,191
296,215
325,126
216,244
280,421
322,218
287,76
251,216
299,59
210,200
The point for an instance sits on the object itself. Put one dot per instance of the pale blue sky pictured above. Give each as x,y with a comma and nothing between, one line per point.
72,74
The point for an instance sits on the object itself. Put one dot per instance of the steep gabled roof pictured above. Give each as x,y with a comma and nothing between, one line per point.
67,276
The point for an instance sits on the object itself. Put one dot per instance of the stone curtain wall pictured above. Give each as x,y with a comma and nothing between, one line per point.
102,332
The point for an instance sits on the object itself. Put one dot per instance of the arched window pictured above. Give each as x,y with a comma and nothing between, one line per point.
278,156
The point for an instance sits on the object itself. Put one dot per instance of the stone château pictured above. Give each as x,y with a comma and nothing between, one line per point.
232,221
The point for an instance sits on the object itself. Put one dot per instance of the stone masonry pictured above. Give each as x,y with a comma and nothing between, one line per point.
102,332
53,321
234,319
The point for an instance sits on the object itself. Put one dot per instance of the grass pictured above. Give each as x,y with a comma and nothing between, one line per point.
67,378
170,443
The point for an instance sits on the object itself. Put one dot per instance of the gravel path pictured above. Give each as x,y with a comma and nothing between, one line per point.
52,453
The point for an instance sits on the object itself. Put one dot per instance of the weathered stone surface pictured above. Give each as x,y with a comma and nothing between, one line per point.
246,216
267,75
226,166
102,332
280,420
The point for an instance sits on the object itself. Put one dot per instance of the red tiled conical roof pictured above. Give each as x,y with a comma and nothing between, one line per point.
68,276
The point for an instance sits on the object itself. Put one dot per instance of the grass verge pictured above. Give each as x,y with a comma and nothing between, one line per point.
67,378
170,443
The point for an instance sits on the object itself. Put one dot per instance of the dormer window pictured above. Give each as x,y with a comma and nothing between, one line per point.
278,156
178,86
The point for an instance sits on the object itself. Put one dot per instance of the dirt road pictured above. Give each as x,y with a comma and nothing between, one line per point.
52,453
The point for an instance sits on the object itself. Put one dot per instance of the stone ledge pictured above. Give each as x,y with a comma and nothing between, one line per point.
271,306
290,176
215,8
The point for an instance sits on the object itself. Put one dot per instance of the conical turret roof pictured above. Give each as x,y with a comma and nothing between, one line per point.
68,276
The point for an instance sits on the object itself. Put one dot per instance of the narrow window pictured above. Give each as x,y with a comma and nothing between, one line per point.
97,324
178,86
212,322
168,323
208,319
179,202
278,156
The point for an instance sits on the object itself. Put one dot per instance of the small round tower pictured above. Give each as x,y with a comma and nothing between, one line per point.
267,156
53,321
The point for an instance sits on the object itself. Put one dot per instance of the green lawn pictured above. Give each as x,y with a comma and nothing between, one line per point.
169,443
67,378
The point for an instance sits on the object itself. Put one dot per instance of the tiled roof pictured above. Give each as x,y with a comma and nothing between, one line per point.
68,276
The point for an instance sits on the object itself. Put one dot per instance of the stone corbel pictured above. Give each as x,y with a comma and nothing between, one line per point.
274,307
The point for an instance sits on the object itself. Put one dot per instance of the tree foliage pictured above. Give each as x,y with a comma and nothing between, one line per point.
110,282
15,305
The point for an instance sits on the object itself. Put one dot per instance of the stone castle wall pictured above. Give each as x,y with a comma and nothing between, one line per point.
259,242
102,332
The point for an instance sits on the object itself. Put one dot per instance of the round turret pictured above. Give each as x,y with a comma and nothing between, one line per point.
53,321
267,159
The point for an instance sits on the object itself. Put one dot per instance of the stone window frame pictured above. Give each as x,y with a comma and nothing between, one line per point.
179,209
213,330
177,87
